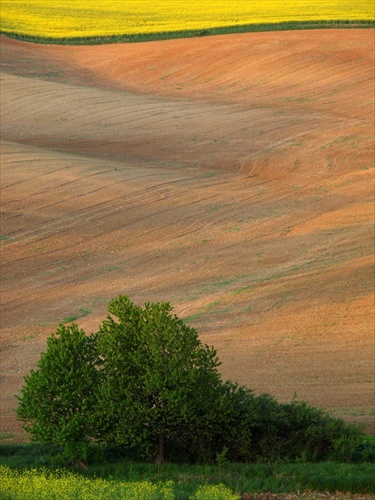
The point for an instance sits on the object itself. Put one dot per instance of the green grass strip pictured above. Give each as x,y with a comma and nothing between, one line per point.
184,480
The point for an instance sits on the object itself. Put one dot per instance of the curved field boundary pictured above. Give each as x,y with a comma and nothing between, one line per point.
168,35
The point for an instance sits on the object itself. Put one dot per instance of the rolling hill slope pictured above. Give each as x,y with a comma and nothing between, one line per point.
231,176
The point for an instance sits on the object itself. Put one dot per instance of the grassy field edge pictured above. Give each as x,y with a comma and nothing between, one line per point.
278,478
168,35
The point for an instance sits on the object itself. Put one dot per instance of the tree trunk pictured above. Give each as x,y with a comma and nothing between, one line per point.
160,454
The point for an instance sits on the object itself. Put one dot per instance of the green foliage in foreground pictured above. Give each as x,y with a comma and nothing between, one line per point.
145,381
224,30
179,481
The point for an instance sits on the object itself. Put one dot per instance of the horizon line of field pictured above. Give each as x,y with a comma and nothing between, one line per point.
193,33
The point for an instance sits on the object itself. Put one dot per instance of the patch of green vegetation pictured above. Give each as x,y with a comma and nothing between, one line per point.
4,237
100,300
212,307
6,436
8,346
370,439
338,140
208,175
193,317
296,99
217,308
215,208
224,282
28,337
282,300
323,189
122,465
81,314
110,269
245,289
248,309
27,455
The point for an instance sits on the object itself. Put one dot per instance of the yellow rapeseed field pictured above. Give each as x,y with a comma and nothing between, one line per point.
43,484
76,18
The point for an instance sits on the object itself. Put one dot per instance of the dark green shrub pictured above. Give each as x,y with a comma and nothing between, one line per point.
364,453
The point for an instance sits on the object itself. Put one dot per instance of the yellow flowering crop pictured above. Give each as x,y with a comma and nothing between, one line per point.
74,18
61,485
42,484
214,492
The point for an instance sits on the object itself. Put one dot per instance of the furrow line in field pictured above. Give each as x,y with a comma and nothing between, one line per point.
99,211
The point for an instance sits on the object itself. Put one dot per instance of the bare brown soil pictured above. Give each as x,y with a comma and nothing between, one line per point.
232,176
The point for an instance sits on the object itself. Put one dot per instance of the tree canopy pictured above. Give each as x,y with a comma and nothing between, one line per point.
157,377
144,380
58,398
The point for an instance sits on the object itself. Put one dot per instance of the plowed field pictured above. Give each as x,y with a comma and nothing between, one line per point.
232,176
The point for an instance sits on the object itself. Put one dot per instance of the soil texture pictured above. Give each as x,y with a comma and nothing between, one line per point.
232,176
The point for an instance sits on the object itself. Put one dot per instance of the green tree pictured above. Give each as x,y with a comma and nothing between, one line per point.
57,401
158,378
145,380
